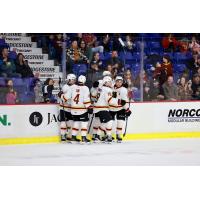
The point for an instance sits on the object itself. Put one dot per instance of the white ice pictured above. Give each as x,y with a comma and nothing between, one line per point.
139,152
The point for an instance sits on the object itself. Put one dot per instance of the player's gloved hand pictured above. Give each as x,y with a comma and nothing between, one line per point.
128,113
114,94
95,84
90,110
123,102
125,85
60,94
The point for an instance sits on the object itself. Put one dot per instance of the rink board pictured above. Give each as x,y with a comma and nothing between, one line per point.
27,124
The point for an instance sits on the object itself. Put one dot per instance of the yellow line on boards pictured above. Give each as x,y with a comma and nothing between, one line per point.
56,139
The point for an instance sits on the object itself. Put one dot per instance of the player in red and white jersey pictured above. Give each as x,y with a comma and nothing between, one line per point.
65,108
97,85
101,108
121,111
80,103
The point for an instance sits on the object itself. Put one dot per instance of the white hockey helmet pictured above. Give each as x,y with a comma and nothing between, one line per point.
118,78
106,73
71,77
107,79
82,79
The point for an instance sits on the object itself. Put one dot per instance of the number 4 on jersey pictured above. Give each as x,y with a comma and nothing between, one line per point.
76,98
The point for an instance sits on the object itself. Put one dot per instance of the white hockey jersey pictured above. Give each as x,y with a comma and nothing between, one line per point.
104,99
80,99
122,93
64,102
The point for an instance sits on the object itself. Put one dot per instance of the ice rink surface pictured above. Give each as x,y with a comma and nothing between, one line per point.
138,152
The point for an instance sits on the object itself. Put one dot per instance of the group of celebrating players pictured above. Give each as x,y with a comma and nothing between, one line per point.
107,100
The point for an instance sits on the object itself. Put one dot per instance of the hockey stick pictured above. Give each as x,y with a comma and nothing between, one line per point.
91,123
127,118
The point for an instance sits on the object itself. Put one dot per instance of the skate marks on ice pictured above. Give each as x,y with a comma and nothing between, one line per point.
139,152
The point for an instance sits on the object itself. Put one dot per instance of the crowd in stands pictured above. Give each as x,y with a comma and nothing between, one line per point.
171,64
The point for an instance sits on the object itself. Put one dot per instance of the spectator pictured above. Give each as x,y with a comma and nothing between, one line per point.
195,86
146,93
75,56
194,45
96,62
38,91
58,46
22,67
194,63
7,66
184,89
116,44
155,91
169,43
47,91
184,45
115,62
142,76
170,89
90,41
129,43
11,95
3,91
85,50
106,43
51,48
129,83
162,71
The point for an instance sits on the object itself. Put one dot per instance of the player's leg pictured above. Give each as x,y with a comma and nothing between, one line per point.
75,128
83,125
96,131
69,126
113,117
63,126
120,124
106,124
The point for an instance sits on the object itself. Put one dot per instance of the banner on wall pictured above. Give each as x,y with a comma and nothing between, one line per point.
29,121
42,120
164,117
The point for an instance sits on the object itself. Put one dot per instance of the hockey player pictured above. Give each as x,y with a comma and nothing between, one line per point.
80,103
65,108
122,110
94,91
102,104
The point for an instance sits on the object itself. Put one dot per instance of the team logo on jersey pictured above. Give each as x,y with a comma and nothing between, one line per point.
35,119
77,90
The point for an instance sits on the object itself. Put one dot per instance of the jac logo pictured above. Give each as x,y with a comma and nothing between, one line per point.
53,118
4,120
35,119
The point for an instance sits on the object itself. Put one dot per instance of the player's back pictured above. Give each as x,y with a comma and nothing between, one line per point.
80,99
104,95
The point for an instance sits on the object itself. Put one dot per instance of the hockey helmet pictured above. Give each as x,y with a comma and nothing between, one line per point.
71,77
106,73
82,79
107,79
118,78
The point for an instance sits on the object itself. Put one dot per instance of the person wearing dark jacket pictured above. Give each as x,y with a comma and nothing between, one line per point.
22,67
7,66
47,91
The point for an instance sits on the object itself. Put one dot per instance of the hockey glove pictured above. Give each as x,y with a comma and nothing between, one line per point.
90,111
114,94
123,102
95,84
60,94
128,113
125,85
